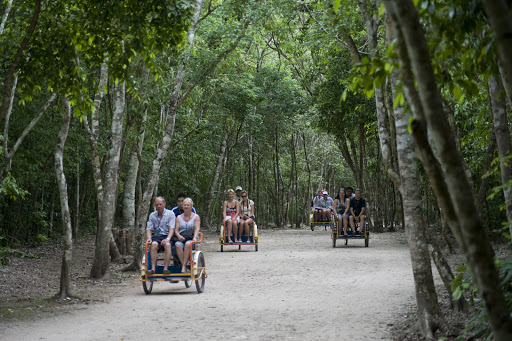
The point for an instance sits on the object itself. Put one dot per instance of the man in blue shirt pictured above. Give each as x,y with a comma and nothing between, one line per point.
179,209
159,231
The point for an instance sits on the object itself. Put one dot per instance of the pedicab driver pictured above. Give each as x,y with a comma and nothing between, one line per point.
161,222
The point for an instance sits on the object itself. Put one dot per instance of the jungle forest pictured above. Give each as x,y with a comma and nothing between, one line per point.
109,104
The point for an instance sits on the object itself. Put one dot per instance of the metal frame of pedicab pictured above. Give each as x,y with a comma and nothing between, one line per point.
338,233
197,272
313,223
254,240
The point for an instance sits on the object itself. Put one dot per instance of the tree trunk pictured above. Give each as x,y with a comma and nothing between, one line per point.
430,317
130,186
104,239
457,194
8,80
498,16
213,185
4,18
65,288
163,147
502,132
446,274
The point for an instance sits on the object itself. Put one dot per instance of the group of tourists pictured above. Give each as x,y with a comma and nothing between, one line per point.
175,227
238,213
348,205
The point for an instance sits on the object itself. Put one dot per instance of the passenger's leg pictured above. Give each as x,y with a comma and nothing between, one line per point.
352,224
248,223
179,252
345,223
154,255
229,228
186,257
167,254
235,229
240,230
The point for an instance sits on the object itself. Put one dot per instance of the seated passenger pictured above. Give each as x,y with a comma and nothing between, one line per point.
350,192
231,214
163,220
246,216
342,207
325,204
317,215
187,228
357,210
238,193
179,208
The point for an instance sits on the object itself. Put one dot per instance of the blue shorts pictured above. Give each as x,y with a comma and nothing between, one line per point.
181,244
159,240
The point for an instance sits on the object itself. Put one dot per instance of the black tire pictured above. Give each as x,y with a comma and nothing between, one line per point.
312,227
256,247
200,281
148,287
239,247
346,241
334,242
222,248
187,283
366,240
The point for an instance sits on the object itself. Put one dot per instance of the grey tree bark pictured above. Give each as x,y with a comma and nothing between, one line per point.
163,147
107,186
65,288
457,197
130,185
5,16
498,16
215,180
502,132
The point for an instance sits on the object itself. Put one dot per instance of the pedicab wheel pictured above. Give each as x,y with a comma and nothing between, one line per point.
187,283
334,241
312,227
346,241
221,248
256,247
147,286
366,240
200,281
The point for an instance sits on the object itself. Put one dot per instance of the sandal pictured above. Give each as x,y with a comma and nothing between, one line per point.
150,272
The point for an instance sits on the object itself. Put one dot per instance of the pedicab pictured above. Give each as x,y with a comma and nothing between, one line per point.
314,223
246,240
196,271
338,233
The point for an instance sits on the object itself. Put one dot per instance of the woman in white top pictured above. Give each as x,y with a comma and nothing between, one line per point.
231,214
187,228
247,215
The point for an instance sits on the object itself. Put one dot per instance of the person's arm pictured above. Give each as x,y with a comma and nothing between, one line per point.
347,205
363,210
252,209
172,226
177,230
149,230
334,204
197,227
224,209
237,209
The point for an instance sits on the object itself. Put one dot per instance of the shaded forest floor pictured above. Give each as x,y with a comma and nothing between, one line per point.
27,286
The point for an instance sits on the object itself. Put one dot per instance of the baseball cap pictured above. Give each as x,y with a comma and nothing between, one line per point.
238,188
324,192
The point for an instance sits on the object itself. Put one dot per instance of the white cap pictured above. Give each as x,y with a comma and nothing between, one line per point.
324,192
238,188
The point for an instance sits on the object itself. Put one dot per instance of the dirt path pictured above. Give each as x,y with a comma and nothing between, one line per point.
296,287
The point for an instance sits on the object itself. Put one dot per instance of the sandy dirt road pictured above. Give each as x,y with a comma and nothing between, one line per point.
296,287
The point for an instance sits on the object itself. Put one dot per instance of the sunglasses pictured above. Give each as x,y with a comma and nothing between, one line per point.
244,196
